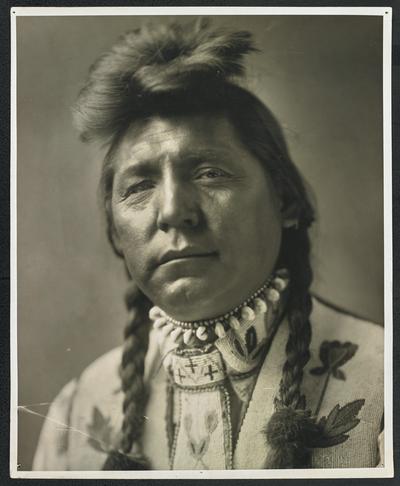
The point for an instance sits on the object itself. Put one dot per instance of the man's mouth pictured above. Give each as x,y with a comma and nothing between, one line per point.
185,254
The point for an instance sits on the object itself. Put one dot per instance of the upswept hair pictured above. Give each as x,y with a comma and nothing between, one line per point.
187,68
153,61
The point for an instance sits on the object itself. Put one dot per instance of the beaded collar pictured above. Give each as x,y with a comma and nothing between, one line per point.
202,330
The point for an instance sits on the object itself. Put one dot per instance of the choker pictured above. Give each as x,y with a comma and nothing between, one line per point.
202,330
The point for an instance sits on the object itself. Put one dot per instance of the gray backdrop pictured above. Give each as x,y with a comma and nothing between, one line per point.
322,78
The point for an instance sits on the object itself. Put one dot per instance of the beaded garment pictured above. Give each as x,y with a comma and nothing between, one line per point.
210,364
84,421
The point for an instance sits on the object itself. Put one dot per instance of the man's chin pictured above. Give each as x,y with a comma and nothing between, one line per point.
186,298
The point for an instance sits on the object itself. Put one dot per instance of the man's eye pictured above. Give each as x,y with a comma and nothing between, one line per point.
138,188
211,173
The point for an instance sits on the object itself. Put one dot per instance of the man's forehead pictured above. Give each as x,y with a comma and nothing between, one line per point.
176,137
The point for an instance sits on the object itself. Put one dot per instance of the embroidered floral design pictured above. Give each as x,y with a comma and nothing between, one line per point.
334,427
290,430
333,355
198,448
332,430
100,431
300,428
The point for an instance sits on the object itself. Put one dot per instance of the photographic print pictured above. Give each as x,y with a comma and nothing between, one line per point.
201,243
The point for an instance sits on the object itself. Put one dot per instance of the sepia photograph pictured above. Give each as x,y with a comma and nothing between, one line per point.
201,243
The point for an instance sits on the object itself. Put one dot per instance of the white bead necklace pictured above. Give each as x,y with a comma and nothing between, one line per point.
191,331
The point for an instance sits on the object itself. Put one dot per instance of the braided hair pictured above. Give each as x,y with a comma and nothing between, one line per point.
185,69
135,391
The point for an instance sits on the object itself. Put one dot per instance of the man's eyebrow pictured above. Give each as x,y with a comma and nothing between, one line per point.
149,166
201,154
140,168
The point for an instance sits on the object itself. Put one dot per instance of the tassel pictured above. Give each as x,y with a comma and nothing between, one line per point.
287,434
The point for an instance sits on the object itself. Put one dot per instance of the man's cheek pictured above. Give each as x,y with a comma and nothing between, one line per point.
138,270
137,256
128,234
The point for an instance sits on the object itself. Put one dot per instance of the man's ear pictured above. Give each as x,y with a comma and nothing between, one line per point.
290,215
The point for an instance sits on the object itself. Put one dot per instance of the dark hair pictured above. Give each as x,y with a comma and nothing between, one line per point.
185,69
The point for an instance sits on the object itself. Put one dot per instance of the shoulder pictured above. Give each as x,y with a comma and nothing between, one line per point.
361,343
331,323
96,412
103,372
84,416
346,364
51,450
99,388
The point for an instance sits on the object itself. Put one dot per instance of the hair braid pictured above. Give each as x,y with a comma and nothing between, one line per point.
136,393
287,429
299,309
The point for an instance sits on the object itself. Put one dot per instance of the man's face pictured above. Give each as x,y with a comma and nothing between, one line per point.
196,217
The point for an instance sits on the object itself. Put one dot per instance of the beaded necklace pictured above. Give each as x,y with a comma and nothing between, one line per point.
192,332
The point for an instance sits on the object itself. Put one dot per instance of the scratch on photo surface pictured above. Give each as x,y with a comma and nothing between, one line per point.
26,409
40,404
64,427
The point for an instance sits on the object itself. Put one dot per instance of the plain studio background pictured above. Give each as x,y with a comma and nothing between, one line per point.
321,76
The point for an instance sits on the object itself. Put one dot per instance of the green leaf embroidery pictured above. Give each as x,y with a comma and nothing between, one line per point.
100,431
334,427
332,430
341,417
339,375
333,355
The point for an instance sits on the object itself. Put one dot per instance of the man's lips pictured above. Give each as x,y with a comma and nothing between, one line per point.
187,254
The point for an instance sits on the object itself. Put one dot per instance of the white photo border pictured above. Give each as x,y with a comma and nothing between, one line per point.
380,472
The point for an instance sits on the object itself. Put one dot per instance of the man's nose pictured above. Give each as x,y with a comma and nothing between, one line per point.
178,206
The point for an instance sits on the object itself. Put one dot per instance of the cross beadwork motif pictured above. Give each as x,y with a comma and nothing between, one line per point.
192,366
211,372
198,370
181,376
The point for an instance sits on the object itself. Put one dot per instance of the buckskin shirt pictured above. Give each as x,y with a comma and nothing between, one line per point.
188,416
